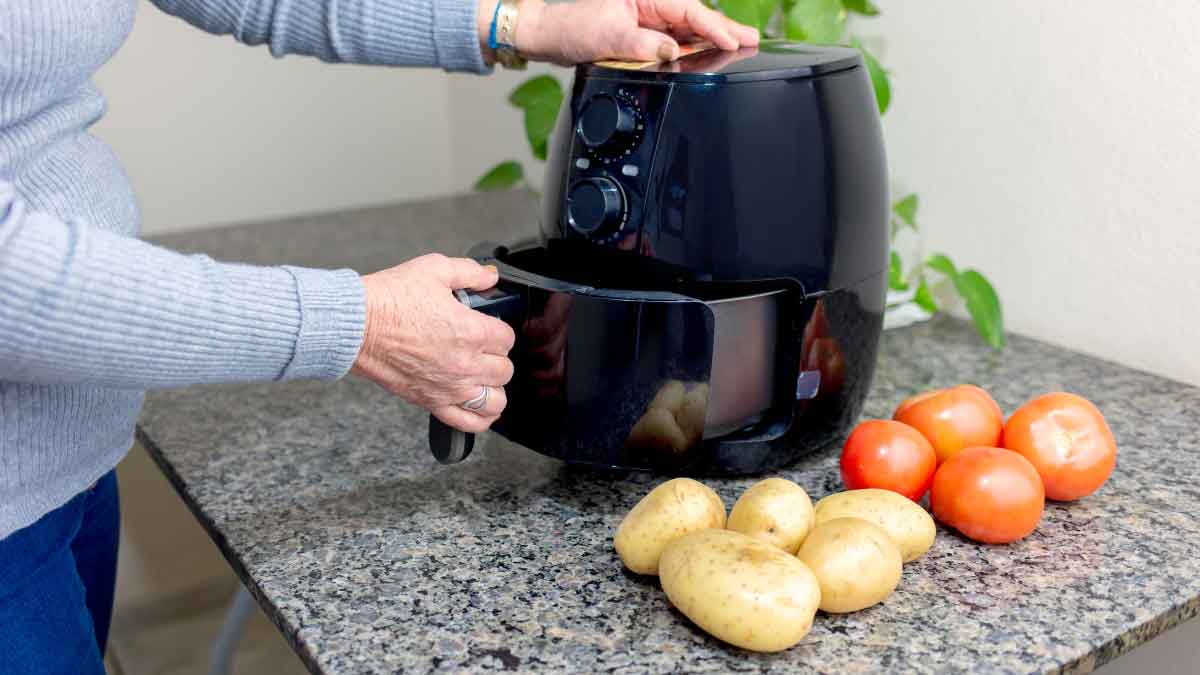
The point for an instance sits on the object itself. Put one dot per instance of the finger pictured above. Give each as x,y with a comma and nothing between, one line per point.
747,36
553,371
463,420
493,370
701,20
496,401
552,319
552,350
496,337
644,44
465,273
682,34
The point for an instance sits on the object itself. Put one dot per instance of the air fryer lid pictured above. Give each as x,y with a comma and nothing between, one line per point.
771,60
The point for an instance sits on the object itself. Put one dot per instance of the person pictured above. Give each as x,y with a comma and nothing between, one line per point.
91,317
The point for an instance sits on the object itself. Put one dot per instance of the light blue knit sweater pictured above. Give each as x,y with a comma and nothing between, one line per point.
90,316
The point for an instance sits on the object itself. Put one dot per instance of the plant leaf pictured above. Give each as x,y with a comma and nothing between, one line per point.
896,274
742,11
864,7
983,305
924,298
906,210
766,10
940,263
535,91
540,97
879,77
816,21
539,122
501,177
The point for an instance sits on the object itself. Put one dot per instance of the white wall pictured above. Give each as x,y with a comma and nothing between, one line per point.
487,130
214,132
1056,146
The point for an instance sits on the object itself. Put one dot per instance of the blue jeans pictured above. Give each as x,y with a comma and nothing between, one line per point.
56,586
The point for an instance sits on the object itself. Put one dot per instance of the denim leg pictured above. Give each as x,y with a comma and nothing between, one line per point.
45,624
95,551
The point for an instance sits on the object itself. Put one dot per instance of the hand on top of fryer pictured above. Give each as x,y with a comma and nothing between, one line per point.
423,345
636,30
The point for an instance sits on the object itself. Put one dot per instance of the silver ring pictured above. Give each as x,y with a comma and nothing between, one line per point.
478,402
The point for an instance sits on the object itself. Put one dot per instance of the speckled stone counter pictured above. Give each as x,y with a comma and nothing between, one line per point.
372,558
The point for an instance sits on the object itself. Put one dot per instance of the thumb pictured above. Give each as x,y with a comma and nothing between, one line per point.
644,44
468,274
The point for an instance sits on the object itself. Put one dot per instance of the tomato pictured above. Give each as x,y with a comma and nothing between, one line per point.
824,356
888,455
990,495
953,419
1068,442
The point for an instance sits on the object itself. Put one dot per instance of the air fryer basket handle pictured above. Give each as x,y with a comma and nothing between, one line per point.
450,445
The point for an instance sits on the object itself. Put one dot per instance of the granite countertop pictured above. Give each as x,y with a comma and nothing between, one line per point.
372,558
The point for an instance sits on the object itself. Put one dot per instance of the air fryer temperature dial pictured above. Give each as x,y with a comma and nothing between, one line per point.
596,207
610,125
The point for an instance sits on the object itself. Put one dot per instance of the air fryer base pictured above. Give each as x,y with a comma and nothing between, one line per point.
840,340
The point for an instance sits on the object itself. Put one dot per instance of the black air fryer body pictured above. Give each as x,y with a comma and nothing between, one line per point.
713,229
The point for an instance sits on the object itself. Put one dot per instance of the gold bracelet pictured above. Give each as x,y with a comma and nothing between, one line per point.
506,35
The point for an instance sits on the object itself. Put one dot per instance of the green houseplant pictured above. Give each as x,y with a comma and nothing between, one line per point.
916,287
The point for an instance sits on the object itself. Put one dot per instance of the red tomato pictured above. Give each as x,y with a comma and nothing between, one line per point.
888,455
824,356
990,495
1068,442
953,419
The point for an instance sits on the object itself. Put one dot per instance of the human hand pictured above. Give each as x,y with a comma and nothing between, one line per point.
426,347
546,341
637,30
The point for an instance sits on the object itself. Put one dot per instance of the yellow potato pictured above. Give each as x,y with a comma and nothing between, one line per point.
903,519
692,411
776,511
670,397
856,563
676,508
740,590
658,430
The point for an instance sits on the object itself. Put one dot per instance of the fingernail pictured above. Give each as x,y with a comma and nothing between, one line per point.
668,51
491,268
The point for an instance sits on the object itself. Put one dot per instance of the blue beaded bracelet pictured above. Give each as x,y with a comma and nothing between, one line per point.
492,44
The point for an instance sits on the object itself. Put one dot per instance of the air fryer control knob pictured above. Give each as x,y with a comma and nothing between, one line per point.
595,207
606,120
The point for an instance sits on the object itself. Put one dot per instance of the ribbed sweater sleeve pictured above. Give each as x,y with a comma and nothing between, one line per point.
79,305
381,32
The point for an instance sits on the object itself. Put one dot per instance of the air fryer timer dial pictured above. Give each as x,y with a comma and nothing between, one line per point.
595,207
610,125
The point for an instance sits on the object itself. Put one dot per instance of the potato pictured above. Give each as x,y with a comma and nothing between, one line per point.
670,397
855,561
903,519
740,590
776,511
671,510
674,420
658,430
692,412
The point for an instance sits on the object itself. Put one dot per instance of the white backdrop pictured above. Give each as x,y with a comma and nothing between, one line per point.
215,132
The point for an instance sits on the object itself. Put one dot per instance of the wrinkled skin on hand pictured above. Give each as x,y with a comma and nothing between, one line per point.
426,347
637,30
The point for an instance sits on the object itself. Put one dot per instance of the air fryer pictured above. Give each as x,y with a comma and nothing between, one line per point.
706,291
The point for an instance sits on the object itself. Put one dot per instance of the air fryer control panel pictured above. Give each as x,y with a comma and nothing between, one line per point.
612,149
